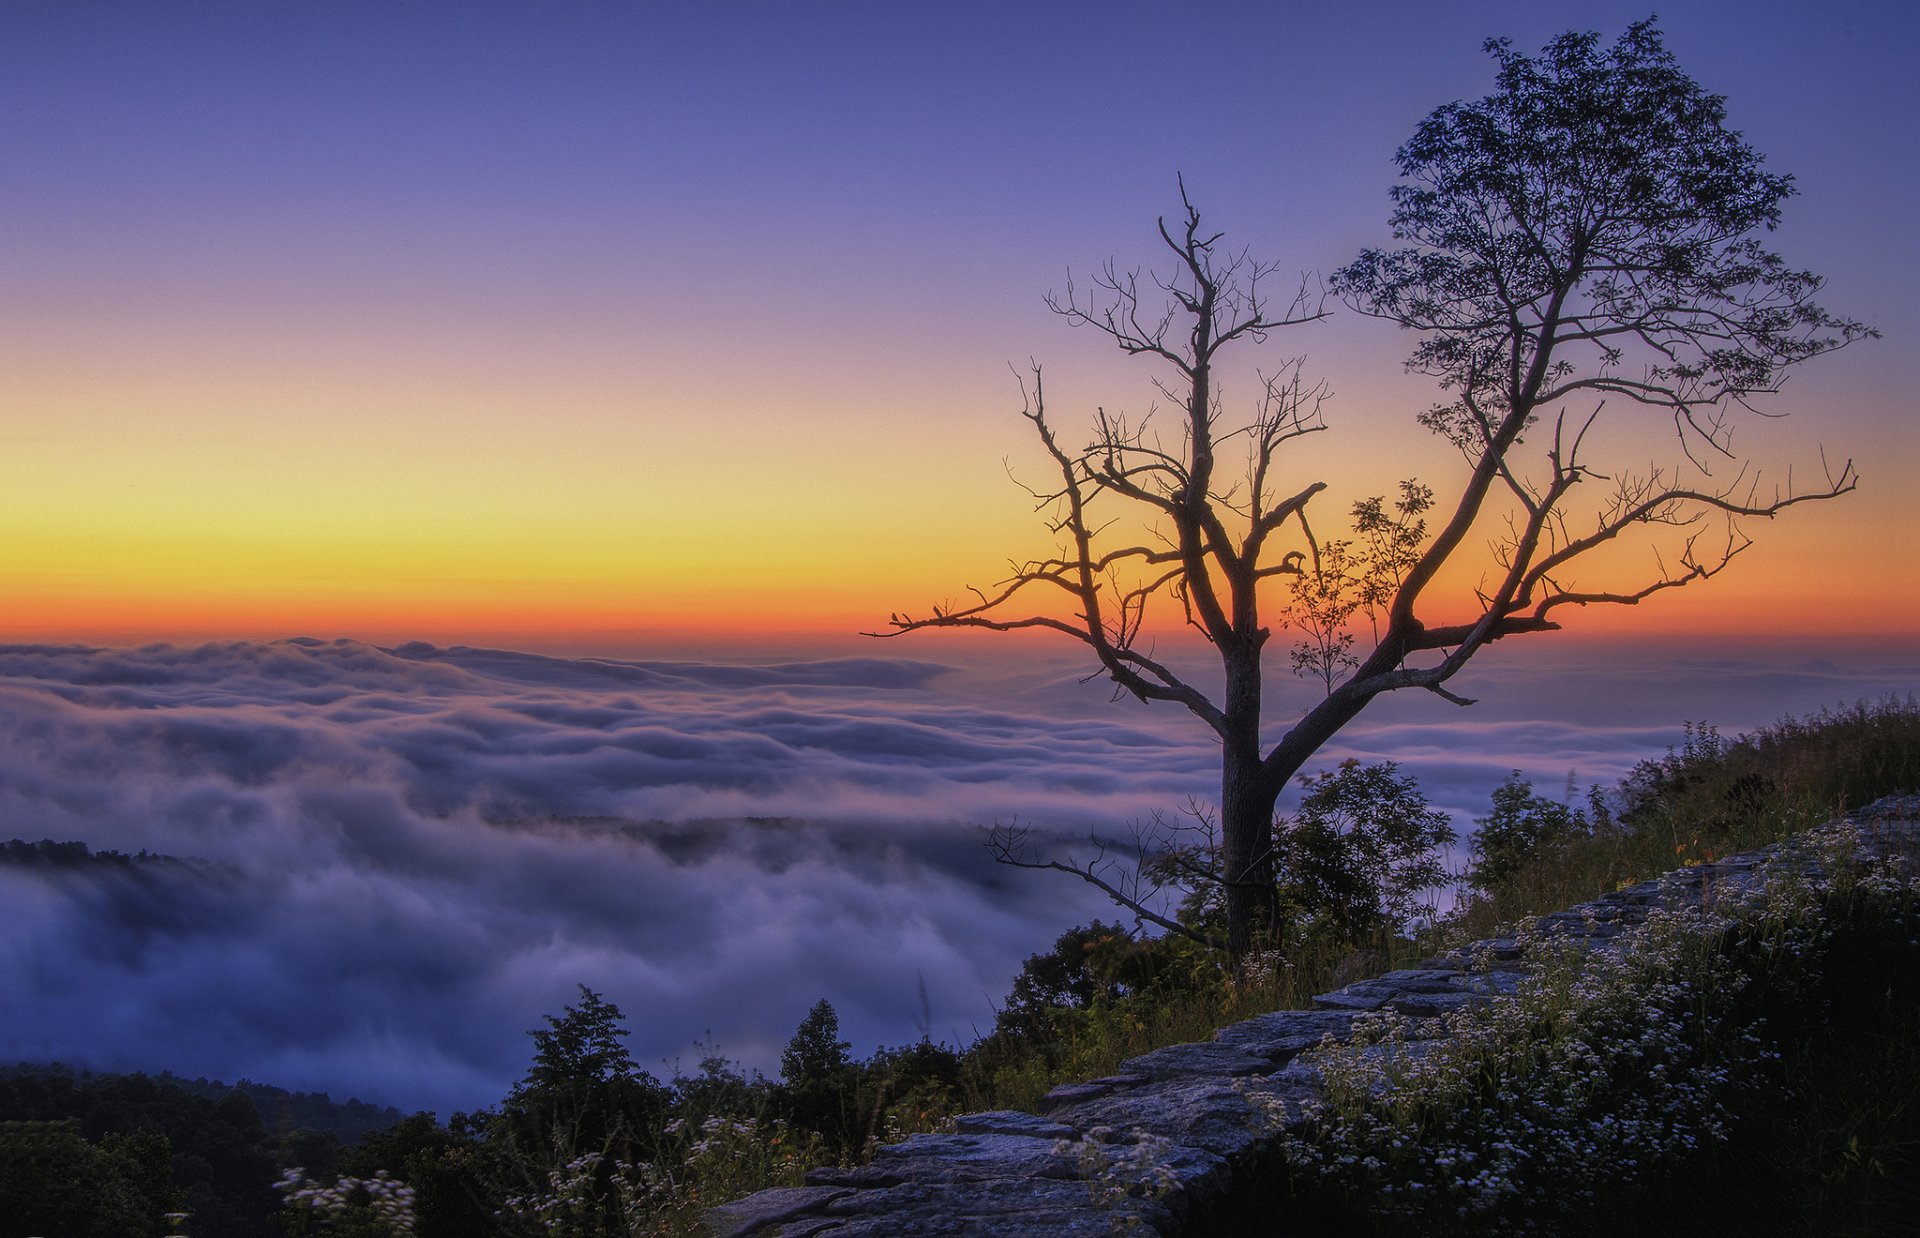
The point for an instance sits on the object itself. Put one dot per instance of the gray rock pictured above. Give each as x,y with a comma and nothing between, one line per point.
1353,997
1285,1033
953,1158
1420,980
1049,1208
1215,1058
758,1211
1214,1115
1431,1005
806,1228
1011,1122
1070,1093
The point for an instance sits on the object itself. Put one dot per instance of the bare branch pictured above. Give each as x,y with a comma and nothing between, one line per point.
1008,845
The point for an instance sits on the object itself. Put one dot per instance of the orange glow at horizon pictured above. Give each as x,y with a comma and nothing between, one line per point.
640,525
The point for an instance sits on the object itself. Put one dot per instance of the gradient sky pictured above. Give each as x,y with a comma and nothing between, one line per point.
596,324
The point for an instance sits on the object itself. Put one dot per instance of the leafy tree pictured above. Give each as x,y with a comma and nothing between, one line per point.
222,1157
1520,826
1586,236
582,1096
924,1079
443,1167
819,1076
1362,856
1089,965
1364,853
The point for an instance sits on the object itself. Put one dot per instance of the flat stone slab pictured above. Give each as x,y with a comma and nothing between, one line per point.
1069,1093
1287,1033
1215,1115
994,1210
1352,998
1011,1122
763,1209
1215,1058
954,1158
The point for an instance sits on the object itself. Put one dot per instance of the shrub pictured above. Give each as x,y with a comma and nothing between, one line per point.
1606,1070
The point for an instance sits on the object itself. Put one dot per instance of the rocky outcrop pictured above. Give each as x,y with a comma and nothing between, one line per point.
1178,1139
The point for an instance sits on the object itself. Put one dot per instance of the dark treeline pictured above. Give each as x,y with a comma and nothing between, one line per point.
53,854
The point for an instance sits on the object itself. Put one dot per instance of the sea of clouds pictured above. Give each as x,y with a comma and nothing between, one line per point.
397,861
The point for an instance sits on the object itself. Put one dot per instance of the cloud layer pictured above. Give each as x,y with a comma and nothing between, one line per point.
402,859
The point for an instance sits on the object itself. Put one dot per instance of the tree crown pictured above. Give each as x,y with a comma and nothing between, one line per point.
1590,226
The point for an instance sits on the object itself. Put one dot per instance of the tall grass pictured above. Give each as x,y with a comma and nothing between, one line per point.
1713,797
1003,1073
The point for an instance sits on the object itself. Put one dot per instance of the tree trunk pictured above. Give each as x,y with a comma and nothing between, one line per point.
1246,849
1246,809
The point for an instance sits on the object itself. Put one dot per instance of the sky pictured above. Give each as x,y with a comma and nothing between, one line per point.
598,326
447,452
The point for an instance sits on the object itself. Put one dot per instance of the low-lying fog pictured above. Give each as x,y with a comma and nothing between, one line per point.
400,860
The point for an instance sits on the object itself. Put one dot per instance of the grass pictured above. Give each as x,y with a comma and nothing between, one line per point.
1713,797
1096,1041
1747,1067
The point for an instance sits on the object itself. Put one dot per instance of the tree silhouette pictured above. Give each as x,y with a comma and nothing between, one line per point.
1582,241
582,1092
819,1075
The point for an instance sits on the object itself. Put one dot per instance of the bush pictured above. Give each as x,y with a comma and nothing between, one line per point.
1519,830
1607,1070
52,1181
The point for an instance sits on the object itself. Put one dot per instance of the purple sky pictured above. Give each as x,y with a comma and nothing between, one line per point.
471,322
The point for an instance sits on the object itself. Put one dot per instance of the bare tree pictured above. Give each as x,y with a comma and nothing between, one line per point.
1581,242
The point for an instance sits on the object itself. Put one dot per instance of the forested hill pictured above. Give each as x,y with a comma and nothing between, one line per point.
280,1110
223,1145
50,854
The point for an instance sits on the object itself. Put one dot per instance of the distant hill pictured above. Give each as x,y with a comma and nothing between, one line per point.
49,854
348,1120
228,1142
280,1110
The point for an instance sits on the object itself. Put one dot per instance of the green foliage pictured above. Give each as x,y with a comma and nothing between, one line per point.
223,1160
820,1080
1521,826
915,1087
442,1168
1556,1109
1350,577
1362,852
583,1102
53,1181
1093,965
1357,863
582,1090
